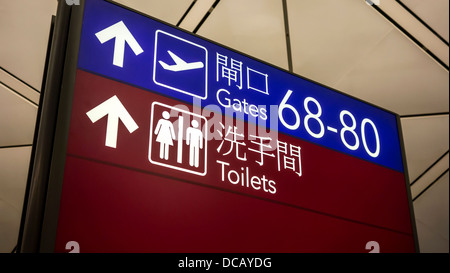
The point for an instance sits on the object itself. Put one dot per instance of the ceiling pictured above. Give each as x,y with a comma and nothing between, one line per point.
394,55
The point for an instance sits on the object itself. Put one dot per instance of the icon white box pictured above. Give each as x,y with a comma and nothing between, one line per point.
158,68
160,162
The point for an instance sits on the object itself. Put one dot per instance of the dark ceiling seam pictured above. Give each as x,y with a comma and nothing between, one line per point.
288,37
186,13
423,22
206,16
425,115
429,168
431,184
20,80
18,93
16,146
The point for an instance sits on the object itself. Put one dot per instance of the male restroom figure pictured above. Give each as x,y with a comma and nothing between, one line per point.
194,139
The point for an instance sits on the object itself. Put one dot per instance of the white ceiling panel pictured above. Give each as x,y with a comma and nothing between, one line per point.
434,13
24,32
348,45
255,27
14,163
169,11
398,76
431,211
17,119
329,37
9,223
425,139
13,177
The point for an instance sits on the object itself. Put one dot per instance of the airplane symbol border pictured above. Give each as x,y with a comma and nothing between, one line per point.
171,87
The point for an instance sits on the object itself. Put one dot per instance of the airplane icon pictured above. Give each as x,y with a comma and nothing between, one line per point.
180,64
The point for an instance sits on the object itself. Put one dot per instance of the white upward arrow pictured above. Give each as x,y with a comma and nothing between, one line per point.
122,35
115,111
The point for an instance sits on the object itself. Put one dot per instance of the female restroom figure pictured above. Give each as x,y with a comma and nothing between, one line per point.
165,135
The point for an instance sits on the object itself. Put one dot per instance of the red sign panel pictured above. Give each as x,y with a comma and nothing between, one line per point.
178,178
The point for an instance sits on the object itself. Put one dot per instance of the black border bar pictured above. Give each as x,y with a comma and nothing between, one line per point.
36,190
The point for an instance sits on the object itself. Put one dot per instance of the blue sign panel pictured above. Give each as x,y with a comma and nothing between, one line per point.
118,44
